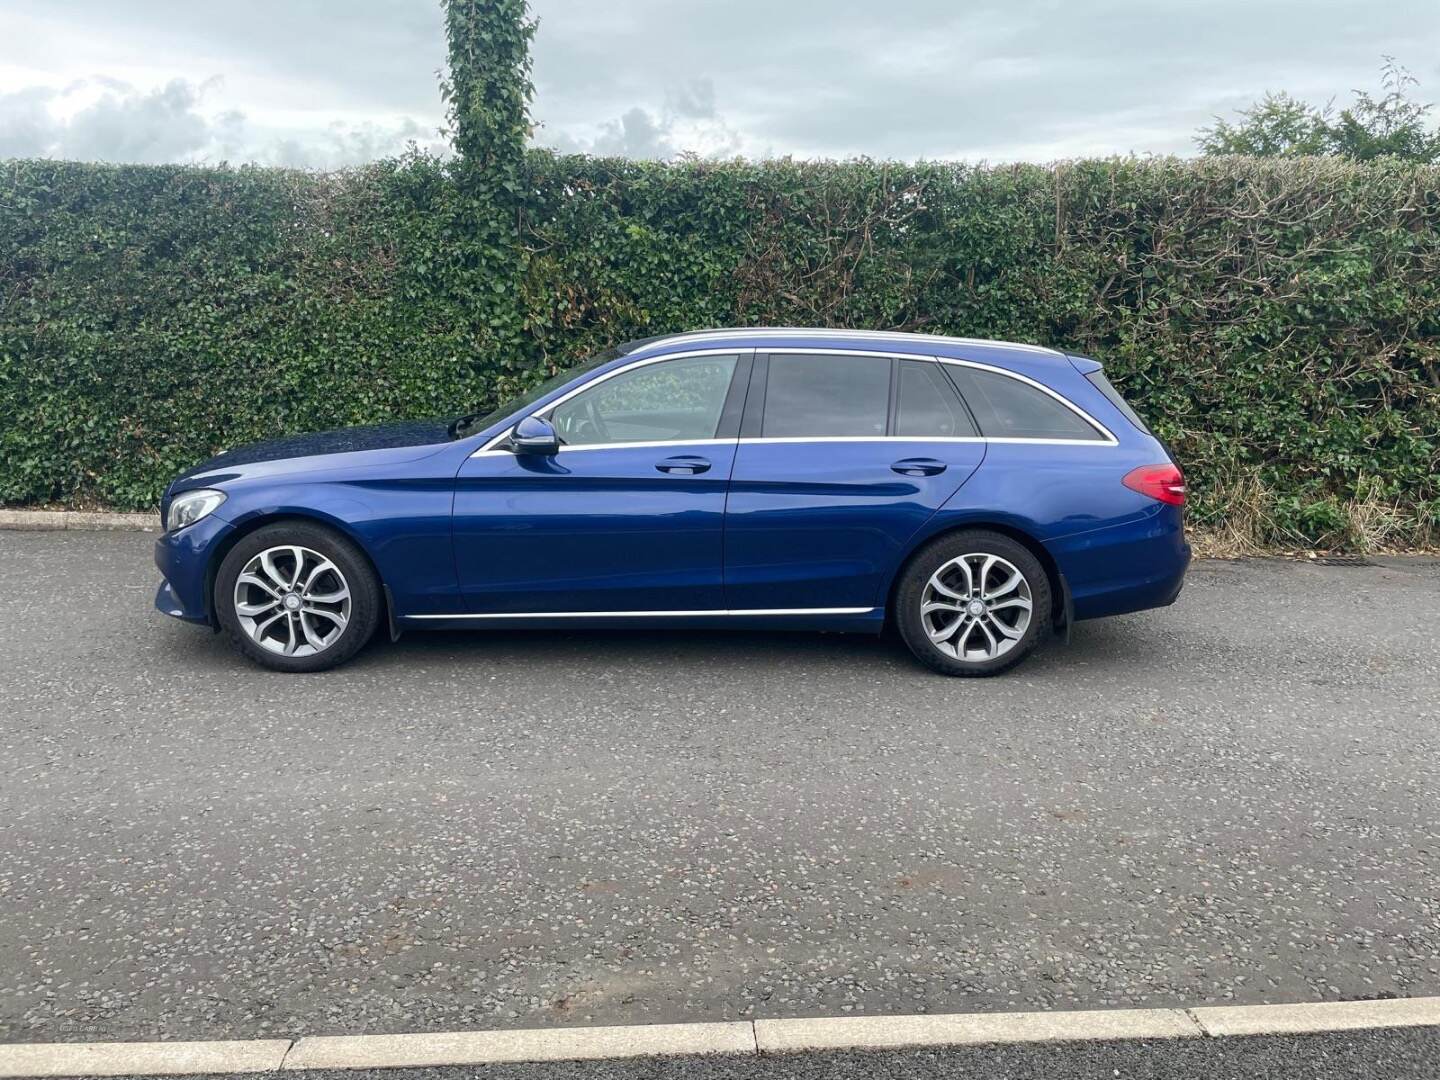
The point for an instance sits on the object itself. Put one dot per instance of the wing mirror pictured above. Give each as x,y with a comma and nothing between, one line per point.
535,435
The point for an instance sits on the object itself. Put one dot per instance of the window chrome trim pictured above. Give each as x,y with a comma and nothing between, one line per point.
645,362
747,440
705,613
1108,438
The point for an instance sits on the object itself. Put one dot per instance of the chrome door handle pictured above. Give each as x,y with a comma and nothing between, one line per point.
919,466
684,465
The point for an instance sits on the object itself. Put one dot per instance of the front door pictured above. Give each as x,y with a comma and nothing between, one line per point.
843,457
627,517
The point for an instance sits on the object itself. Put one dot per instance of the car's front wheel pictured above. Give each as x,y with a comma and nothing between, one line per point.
297,597
973,603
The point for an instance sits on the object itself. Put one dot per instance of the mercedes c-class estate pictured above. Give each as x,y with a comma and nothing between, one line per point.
977,496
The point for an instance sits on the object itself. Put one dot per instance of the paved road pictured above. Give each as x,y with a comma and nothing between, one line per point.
1233,800
1354,1055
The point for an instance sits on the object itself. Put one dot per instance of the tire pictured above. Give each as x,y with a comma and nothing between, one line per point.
935,584
337,606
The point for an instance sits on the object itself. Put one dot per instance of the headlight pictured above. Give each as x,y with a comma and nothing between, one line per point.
190,506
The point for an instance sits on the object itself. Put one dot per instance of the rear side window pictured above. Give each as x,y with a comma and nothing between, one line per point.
1007,408
815,395
926,404
1113,396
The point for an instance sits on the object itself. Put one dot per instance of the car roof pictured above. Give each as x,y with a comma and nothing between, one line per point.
761,337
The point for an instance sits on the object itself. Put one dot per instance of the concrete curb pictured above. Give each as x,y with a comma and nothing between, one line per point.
149,1059
31,520
492,1047
1318,1016
684,1040
972,1029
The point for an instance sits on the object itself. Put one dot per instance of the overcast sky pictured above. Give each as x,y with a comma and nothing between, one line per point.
331,82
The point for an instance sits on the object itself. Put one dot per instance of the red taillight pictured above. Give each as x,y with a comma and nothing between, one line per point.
1163,482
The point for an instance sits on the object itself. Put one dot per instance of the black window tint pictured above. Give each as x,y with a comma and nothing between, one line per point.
927,405
1103,385
1007,408
811,395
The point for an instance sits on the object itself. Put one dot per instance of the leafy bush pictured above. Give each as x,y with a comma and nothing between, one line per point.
1278,320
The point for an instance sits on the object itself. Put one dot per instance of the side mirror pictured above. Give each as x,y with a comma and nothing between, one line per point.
535,435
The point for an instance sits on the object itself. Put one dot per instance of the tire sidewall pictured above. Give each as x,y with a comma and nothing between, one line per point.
365,601
936,554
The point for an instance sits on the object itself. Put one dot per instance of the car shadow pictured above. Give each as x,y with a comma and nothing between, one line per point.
1092,646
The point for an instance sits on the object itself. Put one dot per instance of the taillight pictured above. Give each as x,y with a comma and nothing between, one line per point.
1163,482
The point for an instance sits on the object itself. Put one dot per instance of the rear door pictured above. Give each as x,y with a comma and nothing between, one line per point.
842,457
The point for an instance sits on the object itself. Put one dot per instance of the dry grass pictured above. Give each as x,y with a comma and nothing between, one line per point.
1246,526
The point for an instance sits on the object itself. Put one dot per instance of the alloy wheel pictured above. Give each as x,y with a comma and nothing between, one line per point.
292,601
976,607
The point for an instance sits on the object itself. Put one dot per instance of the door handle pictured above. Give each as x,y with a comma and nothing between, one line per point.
919,466
684,465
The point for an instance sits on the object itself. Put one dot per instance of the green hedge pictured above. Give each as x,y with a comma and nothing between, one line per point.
1277,320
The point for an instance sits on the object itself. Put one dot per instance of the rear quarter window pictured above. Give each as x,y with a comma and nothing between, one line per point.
1007,408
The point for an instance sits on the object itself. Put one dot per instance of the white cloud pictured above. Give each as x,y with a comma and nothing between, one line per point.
103,119
688,121
324,83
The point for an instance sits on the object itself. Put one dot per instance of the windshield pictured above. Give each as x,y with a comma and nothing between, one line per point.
464,425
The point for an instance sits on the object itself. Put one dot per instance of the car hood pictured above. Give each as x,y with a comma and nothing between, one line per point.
409,433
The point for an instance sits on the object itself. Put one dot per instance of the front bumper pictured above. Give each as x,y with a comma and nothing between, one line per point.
184,559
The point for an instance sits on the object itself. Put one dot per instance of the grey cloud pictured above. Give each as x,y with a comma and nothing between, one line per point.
694,100
167,124
378,53
342,144
932,78
161,125
26,126
637,134
653,78
688,122
123,125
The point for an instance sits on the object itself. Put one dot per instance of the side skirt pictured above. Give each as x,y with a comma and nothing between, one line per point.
854,620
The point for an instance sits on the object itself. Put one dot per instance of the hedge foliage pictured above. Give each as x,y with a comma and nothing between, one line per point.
1277,320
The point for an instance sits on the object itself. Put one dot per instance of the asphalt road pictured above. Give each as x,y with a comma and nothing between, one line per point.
1236,799
1354,1055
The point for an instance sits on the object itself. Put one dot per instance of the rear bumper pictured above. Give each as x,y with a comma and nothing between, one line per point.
183,558
1125,568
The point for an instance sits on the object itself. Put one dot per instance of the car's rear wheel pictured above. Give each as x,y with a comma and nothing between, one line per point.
973,603
297,597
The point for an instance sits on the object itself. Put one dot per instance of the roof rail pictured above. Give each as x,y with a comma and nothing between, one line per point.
869,335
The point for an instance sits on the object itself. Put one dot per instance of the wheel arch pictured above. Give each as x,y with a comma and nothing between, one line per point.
1061,613
255,522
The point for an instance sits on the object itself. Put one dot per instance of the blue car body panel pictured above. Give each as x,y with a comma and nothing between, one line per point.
593,530
825,524
796,533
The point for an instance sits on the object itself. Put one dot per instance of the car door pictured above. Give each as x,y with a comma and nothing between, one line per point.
843,456
628,516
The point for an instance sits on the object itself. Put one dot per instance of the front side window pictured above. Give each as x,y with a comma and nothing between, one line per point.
815,395
1007,408
671,401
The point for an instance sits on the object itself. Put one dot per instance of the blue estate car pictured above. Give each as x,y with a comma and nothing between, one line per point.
978,495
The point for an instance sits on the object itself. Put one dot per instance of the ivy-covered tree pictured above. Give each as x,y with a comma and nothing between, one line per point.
487,91
1279,125
488,88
